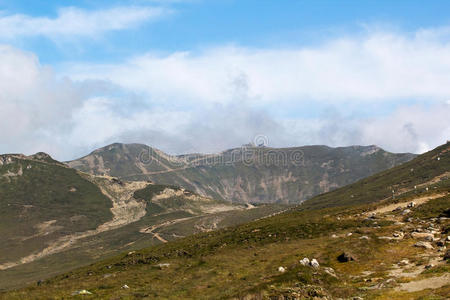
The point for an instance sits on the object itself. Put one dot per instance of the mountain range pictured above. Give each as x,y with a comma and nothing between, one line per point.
245,175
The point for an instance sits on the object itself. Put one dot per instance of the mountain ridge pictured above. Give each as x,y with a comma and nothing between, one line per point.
249,174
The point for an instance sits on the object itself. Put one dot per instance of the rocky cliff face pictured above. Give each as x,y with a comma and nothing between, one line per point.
250,174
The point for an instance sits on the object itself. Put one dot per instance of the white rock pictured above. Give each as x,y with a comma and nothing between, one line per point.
425,245
406,211
364,237
403,262
281,269
314,263
330,271
334,236
305,261
411,204
125,286
349,234
82,292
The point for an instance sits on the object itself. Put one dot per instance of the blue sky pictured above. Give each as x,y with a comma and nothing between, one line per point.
203,76
197,24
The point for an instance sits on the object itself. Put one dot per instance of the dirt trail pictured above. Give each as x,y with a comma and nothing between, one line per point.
125,210
427,283
151,229
418,201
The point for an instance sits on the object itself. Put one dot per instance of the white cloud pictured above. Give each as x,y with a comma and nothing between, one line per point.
224,97
72,22
380,66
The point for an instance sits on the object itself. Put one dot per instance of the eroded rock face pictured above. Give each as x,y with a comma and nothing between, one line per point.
246,175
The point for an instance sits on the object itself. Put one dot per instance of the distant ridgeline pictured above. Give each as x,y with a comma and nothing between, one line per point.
247,175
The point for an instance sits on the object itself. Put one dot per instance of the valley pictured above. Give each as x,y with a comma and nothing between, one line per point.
357,241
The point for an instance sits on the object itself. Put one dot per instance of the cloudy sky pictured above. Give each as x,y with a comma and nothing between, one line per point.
207,75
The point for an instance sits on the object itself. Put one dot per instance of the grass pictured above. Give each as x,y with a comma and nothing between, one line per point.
243,260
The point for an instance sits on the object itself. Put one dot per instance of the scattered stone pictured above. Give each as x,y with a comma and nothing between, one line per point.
447,255
405,212
346,257
125,287
398,234
330,271
131,253
422,235
281,269
425,245
162,266
411,204
349,234
429,266
81,292
364,237
305,261
334,236
314,263
403,262
448,238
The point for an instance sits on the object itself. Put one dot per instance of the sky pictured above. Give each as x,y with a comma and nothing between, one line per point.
204,76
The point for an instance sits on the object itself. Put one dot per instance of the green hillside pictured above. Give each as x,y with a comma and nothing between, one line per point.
386,249
42,200
411,178
54,218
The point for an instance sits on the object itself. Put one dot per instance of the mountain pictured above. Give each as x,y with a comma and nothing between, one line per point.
373,245
248,174
54,218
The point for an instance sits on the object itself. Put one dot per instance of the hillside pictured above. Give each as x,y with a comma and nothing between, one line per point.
411,178
386,249
54,218
245,175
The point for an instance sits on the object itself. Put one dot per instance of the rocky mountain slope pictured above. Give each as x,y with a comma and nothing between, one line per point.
248,174
377,248
54,218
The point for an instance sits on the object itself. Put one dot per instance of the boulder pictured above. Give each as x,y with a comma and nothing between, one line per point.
346,257
406,211
81,292
305,261
447,255
314,263
330,271
425,245
422,235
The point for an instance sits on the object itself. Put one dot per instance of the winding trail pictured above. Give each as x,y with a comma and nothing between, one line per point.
125,210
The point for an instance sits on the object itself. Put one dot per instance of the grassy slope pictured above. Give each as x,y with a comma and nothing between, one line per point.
402,178
244,259
45,191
